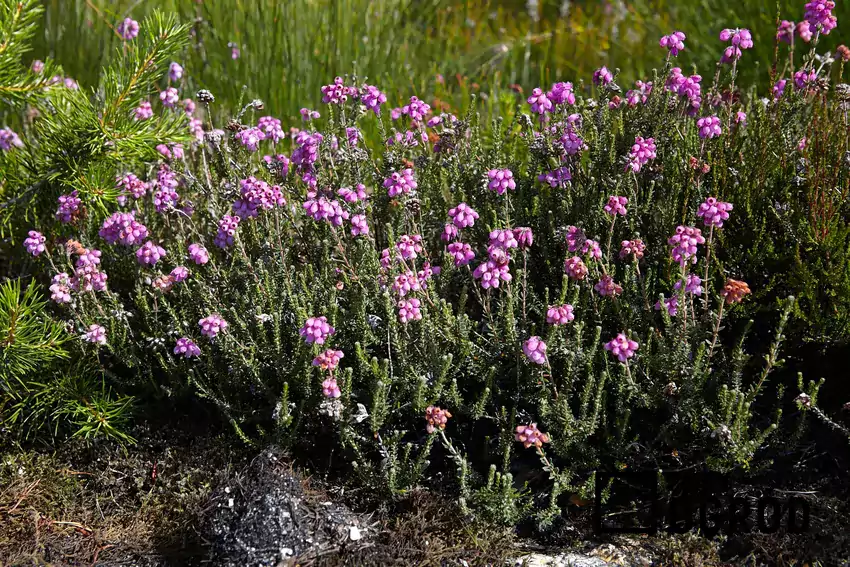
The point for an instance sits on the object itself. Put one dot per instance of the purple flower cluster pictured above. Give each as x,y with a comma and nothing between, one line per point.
461,252
463,215
124,229
416,109
143,111
556,178
632,248
186,348
684,244
714,212
709,127
226,231
602,77
671,304
9,139
642,151
69,207
270,126
34,243
321,207
316,330
250,138
372,98
740,39
149,254
408,310
330,389
95,334
675,42
128,29
131,184
400,183
87,275
256,195
60,288
540,103
328,360
606,287
353,195
616,205
169,97
639,94
693,284
575,268
359,225
500,180
560,314
561,93
535,349
175,71
819,14
198,254
337,92
622,347
802,79
212,325
686,87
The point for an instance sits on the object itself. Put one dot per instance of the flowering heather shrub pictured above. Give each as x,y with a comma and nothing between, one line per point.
382,301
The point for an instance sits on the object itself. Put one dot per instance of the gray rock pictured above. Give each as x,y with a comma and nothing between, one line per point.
262,517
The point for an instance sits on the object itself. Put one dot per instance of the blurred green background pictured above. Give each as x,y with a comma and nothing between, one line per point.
290,48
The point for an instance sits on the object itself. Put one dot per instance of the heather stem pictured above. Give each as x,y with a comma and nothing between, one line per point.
708,262
716,330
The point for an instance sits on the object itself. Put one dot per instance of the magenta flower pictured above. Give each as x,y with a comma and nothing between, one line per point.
591,248
561,93
436,418
688,87
524,237
372,98
124,229
186,348
128,29
198,254
250,138
87,276
165,199
37,66
802,79
175,71
779,88
642,151
409,246
463,215
622,347
234,51
740,37
169,97
450,232
693,284
179,274
212,325
819,14
416,109
640,94
804,31
535,349
34,243
741,118
575,268
684,244
337,92
785,31
556,178
69,207
529,436
328,360
9,140
602,76
60,288
95,334
616,206
359,226
560,314
330,389
572,142
226,231
671,304
709,127
500,180
408,310
461,252
149,254
353,195
270,126
632,248
316,330
606,287
539,102
400,182
714,212
675,42
491,273
132,185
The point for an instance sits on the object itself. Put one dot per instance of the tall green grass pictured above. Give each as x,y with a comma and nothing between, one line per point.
289,49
